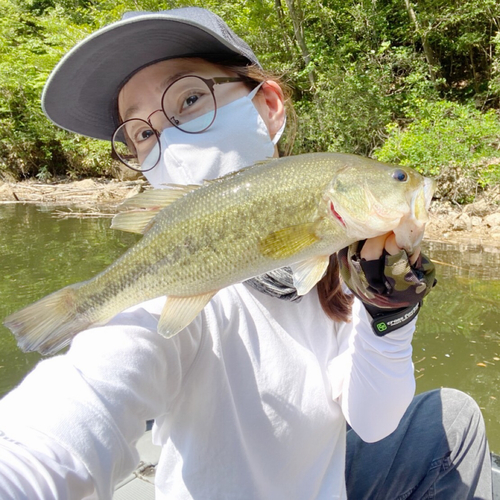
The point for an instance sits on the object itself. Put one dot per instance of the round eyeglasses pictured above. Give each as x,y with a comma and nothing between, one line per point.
188,104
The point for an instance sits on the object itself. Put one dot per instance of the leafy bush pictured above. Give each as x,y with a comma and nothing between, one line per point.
346,114
31,146
353,66
444,135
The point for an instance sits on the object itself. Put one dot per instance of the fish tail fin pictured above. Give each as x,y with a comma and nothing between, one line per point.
49,324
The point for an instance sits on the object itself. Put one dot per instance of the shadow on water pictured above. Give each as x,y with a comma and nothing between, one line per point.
457,343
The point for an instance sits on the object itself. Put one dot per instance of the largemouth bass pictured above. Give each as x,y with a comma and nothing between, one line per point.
293,211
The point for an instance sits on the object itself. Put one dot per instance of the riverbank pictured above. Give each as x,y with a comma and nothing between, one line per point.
477,223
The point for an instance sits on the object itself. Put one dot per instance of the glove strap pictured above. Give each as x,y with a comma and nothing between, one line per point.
384,323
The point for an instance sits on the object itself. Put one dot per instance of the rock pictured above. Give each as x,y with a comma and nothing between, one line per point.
123,173
134,191
476,221
493,220
462,223
85,184
479,208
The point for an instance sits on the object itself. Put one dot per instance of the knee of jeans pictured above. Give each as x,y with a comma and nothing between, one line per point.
460,408
458,400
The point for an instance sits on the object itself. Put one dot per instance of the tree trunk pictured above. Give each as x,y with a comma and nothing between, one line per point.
297,18
475,76
428,52
281,16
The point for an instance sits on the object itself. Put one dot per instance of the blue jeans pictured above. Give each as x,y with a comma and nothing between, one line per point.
439,451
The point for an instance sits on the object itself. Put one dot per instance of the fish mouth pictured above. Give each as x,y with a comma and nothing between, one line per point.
429,190
410,232
421,201
336,214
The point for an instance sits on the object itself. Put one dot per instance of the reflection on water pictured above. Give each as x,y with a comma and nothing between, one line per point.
457,343
40,254
466,261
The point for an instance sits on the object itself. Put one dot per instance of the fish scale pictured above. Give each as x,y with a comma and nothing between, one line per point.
292,211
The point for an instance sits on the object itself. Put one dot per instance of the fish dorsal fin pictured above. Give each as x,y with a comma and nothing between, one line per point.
289,241
178,313
137,213
238,172
154,198
308,272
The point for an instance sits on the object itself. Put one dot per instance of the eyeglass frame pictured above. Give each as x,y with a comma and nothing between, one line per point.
209,82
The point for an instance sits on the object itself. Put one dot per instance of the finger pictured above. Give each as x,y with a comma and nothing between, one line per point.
392,248
374,247
415,255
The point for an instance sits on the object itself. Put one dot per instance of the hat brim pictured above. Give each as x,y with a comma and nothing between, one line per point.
81,93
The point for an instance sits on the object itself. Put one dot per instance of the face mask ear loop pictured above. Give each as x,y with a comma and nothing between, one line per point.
255,90
279,133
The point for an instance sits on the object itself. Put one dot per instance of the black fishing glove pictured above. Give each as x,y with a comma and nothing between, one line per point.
390,288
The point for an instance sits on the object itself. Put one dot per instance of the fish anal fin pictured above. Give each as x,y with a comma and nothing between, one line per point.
179,312
289,241
307,273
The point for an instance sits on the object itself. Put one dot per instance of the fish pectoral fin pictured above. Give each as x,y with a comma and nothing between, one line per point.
137,213
289,241
308,272
178,313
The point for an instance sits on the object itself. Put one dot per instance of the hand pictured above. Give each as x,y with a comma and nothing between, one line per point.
373,248
384,278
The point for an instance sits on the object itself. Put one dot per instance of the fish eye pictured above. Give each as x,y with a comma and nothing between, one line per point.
400,175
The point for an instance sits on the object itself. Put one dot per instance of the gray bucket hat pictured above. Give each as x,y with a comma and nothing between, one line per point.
81,93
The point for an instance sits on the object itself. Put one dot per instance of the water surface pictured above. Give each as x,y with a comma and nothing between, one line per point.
39,254
457,343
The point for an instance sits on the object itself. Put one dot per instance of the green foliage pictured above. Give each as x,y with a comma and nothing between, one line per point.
444,137
361,72
30,46
346,115
488,172
442,133
494,83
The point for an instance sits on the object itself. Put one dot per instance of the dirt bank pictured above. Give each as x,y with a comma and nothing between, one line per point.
477,223
82,194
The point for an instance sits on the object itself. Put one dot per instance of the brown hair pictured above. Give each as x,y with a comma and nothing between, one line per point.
336,304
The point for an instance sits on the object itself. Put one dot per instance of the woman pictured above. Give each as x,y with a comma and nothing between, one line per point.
251,400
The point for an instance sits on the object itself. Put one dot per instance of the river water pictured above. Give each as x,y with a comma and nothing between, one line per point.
457,342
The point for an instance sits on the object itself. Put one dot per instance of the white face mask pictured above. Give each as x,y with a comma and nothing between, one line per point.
238,138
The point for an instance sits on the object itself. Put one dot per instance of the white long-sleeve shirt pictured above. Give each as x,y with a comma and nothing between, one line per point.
250,402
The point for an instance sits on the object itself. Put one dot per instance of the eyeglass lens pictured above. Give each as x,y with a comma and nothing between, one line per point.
188,103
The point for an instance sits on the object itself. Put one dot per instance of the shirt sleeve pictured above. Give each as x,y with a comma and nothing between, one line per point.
79,415
41,469
372,377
